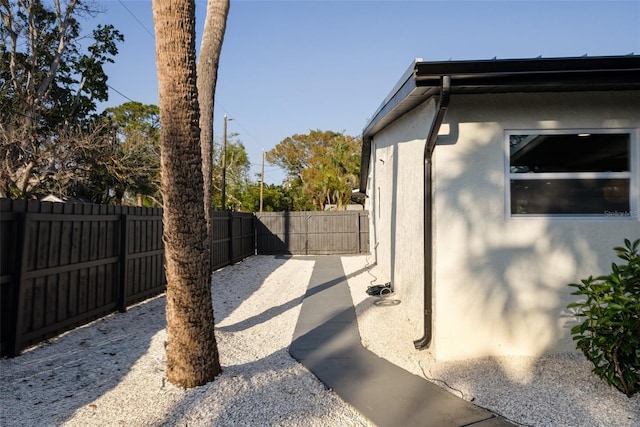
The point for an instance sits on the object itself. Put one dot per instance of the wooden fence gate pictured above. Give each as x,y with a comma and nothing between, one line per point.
312,233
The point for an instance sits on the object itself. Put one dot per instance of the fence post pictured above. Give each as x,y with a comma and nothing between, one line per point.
122,264
254,231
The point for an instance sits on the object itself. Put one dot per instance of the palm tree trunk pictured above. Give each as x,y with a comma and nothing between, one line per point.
210,47
192,354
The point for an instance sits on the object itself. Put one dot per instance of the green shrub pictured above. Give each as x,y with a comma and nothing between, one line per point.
610,334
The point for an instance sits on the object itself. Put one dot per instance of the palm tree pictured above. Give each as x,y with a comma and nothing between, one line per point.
207,70
192,354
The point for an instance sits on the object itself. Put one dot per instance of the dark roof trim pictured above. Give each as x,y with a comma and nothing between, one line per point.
422,81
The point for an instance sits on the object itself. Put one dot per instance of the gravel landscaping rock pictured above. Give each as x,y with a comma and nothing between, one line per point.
112,371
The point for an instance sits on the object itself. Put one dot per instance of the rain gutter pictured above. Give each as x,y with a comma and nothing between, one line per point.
430,144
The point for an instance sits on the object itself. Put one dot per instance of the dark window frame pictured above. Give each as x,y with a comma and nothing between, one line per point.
624,206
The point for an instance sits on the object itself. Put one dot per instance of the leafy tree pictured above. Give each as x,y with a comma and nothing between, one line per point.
237,173
275,198
49,84
242,193
133,169
322,168
300,198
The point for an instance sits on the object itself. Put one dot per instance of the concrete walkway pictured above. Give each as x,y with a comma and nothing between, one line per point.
327,342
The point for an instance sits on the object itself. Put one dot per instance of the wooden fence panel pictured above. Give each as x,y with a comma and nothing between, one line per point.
143,257
65,264
53,295
243,236
220,239
333,233
232,237
281,232
363,221
248,235
312,233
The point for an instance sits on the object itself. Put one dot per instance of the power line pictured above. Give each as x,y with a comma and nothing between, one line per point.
273,167
237,123
120,93
147,31
136,18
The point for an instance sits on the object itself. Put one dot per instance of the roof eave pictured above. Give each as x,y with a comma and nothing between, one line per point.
422,80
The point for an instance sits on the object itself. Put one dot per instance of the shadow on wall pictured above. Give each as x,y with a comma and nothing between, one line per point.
397,212
508,278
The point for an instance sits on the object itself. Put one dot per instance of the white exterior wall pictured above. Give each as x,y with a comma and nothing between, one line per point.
500,284
395,206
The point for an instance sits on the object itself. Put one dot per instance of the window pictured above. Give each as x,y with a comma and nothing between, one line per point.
570,174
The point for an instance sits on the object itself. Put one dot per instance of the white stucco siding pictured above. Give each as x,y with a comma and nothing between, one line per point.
501,283
396,197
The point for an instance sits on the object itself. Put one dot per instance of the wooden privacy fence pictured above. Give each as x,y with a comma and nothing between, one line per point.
313,233
233,237
65,264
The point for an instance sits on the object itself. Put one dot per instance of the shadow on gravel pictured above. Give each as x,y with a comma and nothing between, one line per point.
263,390
234,284
552,390
274,387
261,318
46,385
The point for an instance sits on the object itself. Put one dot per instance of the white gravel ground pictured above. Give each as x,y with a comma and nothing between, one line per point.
111,372
557,390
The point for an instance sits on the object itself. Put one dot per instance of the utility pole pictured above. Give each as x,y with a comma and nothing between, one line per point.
223,197
261,180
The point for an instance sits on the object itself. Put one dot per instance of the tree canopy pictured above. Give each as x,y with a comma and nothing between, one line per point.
322,168
133,169
50,81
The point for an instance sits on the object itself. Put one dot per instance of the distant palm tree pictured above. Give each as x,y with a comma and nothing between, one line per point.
192,354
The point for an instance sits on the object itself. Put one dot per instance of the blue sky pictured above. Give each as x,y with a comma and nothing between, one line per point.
289,67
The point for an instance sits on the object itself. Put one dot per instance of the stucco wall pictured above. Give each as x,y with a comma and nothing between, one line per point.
500,283
395,202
